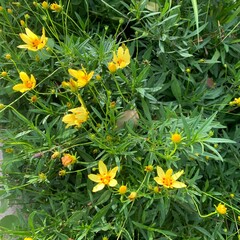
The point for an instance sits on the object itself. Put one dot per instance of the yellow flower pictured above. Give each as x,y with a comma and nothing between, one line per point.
77,116
98,77
167,179
29,83
2,106
68,159
62,173
55,155
148,168
42,177
104,177
112,67
9,10
22,22
122,58
122,189
28,238
4,74
45,5
239,218
236,101
1,8
81,75
221,209
8,56
73,85
33,42
132,196
55,7
176,138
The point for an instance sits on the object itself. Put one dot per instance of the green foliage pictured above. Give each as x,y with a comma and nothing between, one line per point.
174,105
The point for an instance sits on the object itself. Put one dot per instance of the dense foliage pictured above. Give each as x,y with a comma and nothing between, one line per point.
120,119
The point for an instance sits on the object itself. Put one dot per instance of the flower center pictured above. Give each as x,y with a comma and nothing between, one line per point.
167,181
120,61
36,42
105,179
29,84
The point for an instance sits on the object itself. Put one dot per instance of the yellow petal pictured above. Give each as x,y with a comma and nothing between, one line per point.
177,184
102,168
30,33
33,80
158,180
177,175
112,173
98,187
94,178
25,38
20,88
169,173
113,183
160,172
24,77
74,73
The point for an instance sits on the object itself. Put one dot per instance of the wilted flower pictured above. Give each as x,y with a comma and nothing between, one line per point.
29,83
167,179
104,177
81,75
221,209
132,196
33,42
127,116
73,85
77,116
34,98
68,159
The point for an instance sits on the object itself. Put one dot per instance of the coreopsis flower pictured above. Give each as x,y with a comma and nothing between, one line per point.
29,83
8,56
4,74
112,67
56,7
123,189
148,168
176,138
33,42
221,209
73,85
122,58
28,238
68,159
45,5
104,178
167,179
236,101
81,75
42,177
33,98
56,154
62,173
132,196
77,116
